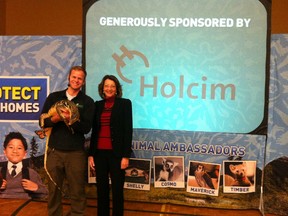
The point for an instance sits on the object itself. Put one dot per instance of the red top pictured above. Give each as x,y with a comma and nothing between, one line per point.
104,138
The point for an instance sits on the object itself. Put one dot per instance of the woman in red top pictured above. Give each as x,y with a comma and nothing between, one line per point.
110,145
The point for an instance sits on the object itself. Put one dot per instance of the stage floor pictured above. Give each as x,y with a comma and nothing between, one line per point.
11,207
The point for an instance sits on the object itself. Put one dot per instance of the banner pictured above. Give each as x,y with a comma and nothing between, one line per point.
206,156
30,68
196,73
197,65
276,165
22,98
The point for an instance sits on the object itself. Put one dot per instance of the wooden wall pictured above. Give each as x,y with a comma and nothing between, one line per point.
279,19
41,17
64,17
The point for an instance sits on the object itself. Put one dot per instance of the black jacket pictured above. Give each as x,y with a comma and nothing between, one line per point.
121,127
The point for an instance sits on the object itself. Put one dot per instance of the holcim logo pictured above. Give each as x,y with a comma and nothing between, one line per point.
177,88
120,62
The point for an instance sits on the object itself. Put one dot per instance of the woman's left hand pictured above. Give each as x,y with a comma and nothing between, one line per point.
124,163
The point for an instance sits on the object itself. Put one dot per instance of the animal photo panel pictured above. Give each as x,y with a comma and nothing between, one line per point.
203,178
169,171
137,175
239,176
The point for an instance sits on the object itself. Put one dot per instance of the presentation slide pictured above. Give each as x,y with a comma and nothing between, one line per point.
191,65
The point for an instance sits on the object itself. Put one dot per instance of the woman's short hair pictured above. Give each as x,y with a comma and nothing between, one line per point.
117,83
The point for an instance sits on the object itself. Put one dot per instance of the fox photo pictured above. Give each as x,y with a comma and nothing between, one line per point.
239,176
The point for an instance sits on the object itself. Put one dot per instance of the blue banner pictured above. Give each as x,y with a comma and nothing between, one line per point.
22,98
